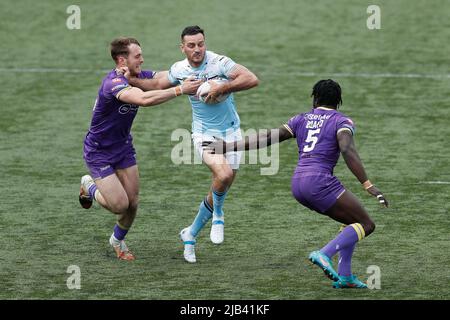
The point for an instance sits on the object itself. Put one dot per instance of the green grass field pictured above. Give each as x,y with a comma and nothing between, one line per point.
396,84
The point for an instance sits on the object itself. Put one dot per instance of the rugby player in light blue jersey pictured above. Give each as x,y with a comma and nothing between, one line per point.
209,120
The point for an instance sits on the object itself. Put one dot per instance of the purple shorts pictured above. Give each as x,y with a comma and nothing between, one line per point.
317,191
103,162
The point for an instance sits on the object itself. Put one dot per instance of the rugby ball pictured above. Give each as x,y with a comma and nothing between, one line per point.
203,91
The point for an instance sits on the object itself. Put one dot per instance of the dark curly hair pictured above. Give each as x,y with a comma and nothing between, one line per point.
327,93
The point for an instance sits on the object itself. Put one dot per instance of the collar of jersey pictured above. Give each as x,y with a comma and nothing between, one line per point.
325,108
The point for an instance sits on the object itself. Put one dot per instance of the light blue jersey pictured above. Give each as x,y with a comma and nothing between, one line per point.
212,119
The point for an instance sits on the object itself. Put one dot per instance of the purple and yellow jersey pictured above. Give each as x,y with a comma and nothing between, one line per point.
111,118
316,134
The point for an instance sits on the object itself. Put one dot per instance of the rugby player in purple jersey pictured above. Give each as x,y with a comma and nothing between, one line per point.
108,147
323,134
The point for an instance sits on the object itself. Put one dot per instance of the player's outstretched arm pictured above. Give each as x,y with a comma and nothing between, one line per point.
151,98
354,163
159,82
240,78
256,141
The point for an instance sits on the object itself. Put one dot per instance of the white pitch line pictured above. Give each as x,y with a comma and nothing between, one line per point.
435,182
298,74
50,70
369,75
388,75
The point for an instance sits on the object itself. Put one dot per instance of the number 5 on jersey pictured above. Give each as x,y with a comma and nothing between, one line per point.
311,139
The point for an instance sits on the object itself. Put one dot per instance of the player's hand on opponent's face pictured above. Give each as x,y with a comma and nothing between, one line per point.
125,72
380,197
214,92
218,146
190,85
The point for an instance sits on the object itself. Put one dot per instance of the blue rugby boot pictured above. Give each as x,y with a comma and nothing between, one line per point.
349,282
322,261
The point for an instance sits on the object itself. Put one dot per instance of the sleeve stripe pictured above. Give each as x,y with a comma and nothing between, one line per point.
289,129
346,129
121,91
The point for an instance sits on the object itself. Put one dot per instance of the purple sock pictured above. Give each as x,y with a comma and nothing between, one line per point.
345,261
348,237
119,233
92,190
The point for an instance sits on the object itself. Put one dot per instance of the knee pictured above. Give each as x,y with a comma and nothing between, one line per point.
369,227
120,205
225,177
